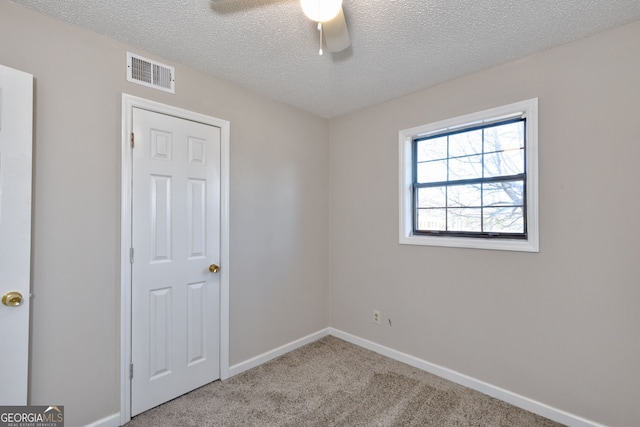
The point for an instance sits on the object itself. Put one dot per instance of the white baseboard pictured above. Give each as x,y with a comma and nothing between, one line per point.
467,381
272,354
110,421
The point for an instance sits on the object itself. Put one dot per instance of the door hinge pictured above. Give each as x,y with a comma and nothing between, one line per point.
132,140
131,371
131,255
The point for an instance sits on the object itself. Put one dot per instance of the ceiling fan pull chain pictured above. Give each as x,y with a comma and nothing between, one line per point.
320,29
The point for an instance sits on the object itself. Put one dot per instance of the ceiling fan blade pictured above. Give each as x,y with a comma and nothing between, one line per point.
336,35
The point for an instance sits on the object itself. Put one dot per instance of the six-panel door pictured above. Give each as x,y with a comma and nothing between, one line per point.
176,237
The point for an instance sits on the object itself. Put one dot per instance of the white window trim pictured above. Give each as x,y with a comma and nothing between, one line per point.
405,139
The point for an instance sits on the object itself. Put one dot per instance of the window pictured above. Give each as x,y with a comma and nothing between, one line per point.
471,181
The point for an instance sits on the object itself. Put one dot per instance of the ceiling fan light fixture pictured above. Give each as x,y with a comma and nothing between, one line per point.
321,10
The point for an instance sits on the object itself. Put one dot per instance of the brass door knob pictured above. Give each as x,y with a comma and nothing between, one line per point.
12,299
214,268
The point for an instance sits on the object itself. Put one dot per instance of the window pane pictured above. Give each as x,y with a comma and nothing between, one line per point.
504,137
432,220
432,149
503,220
432,171
465,144
465,168
507,193
464,219
434,197
464,195
504,163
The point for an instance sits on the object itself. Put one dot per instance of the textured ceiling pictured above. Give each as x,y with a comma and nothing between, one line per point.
398,46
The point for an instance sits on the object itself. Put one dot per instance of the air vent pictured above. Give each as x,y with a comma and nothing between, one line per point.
150,73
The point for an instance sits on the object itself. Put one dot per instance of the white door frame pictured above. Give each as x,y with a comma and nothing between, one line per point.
128,103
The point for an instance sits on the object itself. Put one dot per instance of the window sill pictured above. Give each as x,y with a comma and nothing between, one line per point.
530,245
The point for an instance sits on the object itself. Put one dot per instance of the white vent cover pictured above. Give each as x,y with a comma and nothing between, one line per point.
150,73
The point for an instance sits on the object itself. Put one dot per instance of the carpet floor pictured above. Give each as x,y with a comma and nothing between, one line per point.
334,383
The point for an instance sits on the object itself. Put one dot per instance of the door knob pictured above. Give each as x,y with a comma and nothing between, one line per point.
12,299
214,268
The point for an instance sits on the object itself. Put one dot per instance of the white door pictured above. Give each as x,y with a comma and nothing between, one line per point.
176,241
16,112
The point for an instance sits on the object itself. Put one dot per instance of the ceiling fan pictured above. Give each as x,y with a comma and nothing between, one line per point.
328,15
331,23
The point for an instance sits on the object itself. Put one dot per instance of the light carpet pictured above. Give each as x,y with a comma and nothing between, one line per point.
334,383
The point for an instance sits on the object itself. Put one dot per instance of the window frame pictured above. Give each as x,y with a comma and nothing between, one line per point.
529,110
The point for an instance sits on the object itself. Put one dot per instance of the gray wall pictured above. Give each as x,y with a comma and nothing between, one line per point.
279,215
559,326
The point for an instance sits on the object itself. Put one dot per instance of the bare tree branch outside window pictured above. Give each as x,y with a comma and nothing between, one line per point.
472,181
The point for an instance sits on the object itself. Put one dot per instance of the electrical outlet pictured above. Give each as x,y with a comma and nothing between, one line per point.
376,317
